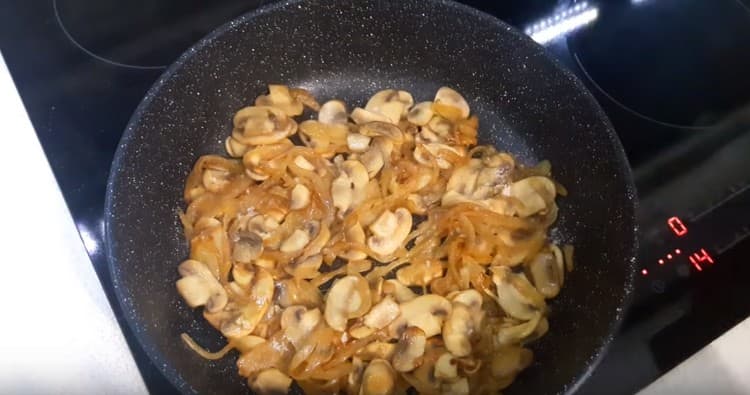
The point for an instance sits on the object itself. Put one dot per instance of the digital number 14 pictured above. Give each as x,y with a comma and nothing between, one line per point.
699,257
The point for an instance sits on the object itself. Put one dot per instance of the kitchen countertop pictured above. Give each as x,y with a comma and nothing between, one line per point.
60,335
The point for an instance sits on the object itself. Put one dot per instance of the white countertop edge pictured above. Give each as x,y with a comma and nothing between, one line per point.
722,367
59,334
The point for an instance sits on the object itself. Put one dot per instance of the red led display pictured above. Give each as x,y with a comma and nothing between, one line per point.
679,228
700,257
697,259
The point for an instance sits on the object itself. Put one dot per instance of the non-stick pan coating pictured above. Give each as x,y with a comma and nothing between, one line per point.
526,104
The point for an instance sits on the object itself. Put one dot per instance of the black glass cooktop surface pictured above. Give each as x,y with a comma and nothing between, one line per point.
672,76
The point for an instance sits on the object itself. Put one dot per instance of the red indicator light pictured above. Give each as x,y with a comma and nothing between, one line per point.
675,223
644,272
669,256
661,261
700,257
678,251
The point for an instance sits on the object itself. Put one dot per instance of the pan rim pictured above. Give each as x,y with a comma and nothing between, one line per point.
126,302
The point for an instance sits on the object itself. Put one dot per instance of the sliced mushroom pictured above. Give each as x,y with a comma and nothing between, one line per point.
446,367
300,197
382,129
355,234
262,125
360,331
305,97
533,193
377,350
426,312
349,297
399,291
357,142
458,329
325,139
469,297
333,112
261,296
354,379
242,275
303,163
348,189
234,148
296,242
378,378
409,350
215,180
463,180
199,287
262,225
440,127
420,274
361,116
389,231
390,102
341,192
373,161
516,295
271,382
382,313
298,292
546,274
280,97
247,343
305,268
450,104
247,247
297,322
421,113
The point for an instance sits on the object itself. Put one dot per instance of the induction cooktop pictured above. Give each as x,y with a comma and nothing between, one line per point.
672,75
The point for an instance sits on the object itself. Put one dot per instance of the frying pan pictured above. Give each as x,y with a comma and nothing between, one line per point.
526,102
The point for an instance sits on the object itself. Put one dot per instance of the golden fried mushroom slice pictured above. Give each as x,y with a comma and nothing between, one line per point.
378,378
259,125
547,274
297,322
392,103
450,104
446,367
199,287
400,292
333,112
421,113
409,350
458,330
361,116
389,232
279,96
305,97
426,312
349,297
244,321
271,382
534,194
516,295
382,313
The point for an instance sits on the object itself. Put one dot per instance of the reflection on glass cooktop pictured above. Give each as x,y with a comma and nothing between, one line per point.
670,74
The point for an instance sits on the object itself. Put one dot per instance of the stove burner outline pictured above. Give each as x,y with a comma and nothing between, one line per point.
630,109
92,54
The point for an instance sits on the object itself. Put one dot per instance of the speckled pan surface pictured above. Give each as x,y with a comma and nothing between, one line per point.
525,102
